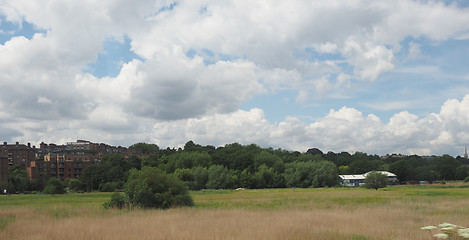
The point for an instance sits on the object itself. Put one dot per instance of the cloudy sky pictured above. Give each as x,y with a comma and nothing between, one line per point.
371,76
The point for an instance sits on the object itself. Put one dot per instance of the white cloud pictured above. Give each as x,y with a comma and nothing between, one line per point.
345,129
242,49
10,13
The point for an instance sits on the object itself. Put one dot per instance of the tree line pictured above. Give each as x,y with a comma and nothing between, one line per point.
249,166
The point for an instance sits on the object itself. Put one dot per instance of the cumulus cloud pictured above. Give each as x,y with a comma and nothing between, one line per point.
346,129
199,61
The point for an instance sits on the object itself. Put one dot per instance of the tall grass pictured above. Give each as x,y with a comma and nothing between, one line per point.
392,213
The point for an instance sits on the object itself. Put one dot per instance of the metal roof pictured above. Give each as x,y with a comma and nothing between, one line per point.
352,177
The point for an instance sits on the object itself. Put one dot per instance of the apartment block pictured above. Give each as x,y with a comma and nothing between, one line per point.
19,153
3,166
66,166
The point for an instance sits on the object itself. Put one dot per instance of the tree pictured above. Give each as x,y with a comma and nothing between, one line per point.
343,170
108,175
401,169
266,158
135,162
75,185
461,172
18,179
54,186
218,177
152,188
118,201
266,177
200,175
361,166
145,148
376,180
93,176
315,151
446,167
311,174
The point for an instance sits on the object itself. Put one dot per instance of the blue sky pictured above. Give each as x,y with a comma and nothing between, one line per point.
377,77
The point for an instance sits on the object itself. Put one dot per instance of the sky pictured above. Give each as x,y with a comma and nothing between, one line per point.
379,77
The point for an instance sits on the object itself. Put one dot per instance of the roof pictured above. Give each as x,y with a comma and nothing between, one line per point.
362,176
353,177
388,174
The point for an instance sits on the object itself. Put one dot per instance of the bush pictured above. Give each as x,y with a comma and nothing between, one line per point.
117,201
110,186
75,185
152,188
54,186
376,180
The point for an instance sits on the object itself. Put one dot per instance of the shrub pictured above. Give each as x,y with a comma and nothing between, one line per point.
75,185
152,188
376,180
110,186
118,200
54,186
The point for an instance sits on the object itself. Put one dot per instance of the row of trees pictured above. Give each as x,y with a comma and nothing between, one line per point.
250,166
198,172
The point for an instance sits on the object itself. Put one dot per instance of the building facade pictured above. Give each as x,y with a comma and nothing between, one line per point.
19,153
65,162
359,179
3,166
66,166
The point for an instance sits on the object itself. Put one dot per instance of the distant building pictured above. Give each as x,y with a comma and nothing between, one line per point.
64,162
3,166
352,180
359,179
19,153
67,166
68,161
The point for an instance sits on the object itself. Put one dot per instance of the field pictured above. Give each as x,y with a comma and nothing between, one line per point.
331,213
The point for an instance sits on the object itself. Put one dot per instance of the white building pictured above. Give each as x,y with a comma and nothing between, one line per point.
359,179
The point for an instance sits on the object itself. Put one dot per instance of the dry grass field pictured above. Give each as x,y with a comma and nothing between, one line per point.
335,213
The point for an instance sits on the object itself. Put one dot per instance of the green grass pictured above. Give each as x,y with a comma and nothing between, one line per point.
43,200
255,198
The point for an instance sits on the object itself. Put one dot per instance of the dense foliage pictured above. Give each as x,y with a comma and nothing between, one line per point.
19,181
245,166
376,180
152,188
250,166
54,186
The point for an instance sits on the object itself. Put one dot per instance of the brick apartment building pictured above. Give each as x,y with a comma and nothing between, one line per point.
66,166
68,161
15,154
64,162
19,153
3,166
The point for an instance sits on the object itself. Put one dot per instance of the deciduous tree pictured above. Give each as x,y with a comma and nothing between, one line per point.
376,180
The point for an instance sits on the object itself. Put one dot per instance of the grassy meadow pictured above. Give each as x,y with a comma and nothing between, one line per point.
395,212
